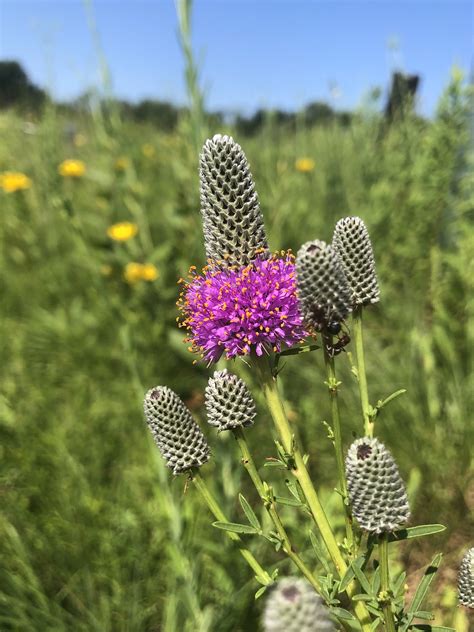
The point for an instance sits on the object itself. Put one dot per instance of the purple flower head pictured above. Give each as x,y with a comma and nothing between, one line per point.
239,310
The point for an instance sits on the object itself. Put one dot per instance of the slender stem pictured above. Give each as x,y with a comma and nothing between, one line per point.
269,503
300,472
361,375
385,584
336,427
217,512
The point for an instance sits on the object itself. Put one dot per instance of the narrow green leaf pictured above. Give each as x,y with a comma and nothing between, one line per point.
375,624
292,502
300,492
375,611
340,613
298,350
234,527
362,579
422,588
275,463
416,532
375,583
292,489
423,614
319,552
425,583
349,574
260,592
362,598
262,580
383,402
346,579
249,512
399,585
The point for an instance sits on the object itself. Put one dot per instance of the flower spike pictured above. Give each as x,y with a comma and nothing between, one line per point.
322,286
229,403
466,579
293,606
376,489
234,233
352,243
177,435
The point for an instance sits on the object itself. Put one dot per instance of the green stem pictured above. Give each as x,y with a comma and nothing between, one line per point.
299,471
261,574
385,584
269,503
361,375
336,427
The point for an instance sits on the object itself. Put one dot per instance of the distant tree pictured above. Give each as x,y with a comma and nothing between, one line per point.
253,124
16,90
402,95
344,118
160,113
318,112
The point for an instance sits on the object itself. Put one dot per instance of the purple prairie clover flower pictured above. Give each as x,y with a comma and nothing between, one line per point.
239,310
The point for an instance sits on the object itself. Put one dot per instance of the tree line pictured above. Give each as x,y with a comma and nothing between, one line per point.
19,92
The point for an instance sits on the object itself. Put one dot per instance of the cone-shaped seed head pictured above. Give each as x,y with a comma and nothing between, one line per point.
376,489
176,434
466,580
293,606
352,243
323,290
229,403
234,233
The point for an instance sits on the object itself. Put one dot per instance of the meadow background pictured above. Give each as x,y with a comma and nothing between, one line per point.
95,534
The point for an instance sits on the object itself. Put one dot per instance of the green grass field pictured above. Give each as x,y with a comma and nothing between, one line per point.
95,534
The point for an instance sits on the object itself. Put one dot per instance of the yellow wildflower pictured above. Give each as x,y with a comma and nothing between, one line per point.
304,165
122,163
72,168
149,272
123,231
134,272
12,181
148,150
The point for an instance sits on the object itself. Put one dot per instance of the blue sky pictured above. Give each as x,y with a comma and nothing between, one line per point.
253,52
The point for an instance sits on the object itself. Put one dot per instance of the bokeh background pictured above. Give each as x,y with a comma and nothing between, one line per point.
342,108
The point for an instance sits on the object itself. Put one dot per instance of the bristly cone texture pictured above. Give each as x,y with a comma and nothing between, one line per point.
376,489
234,233
229,403
466,580
322,287
293,606
177,435
352,243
